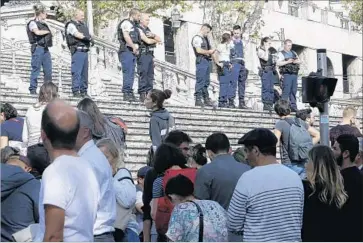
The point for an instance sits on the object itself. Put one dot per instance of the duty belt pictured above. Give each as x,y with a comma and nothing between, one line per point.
268,68
239,61
82,48
147,50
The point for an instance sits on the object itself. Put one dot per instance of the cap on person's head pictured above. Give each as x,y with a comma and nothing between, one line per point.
262,138
142,171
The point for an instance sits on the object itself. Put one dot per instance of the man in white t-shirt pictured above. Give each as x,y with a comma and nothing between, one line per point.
268,200
69,192
88,150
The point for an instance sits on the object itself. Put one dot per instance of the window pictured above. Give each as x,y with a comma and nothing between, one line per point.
344,24
294,7
324,16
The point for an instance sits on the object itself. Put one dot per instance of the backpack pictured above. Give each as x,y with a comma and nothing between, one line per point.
300,141
165,207
115,131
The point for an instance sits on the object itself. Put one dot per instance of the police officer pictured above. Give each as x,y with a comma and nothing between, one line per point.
40,38
239,72
203,53
79,41
145,60
288,62
130,40
267,72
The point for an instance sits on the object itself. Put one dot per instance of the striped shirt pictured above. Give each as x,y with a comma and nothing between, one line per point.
158,190
267,205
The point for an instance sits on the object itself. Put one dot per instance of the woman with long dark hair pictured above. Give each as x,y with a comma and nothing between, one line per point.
324,197
224,66
161,121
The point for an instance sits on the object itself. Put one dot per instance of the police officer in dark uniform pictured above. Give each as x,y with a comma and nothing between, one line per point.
267,72
145,60
129,37
239,72
288,62
79,41
203,53
40,38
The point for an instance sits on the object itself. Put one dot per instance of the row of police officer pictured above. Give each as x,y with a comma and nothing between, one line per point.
229,58
288,63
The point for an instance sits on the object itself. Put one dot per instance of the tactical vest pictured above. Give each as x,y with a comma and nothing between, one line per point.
143,44
205,46
73,41
134,34
290,68
237,51
40,40
269,62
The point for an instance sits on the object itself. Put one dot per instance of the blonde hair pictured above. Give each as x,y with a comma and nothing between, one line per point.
327,176
349,112
111,147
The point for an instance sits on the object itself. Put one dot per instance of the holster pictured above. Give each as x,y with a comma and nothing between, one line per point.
33,47
220,71
198,59
122,47
260,72
72,49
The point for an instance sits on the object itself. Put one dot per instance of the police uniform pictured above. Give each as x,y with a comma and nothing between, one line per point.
239,73
268,77
145,65
289,73
127,57
40,53
224,74
79,50
203,69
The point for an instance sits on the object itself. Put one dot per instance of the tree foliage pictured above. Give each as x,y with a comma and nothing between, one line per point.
355,8
222,15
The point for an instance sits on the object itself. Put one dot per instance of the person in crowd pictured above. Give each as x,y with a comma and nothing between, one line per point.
141,173
217,180
69,192
307,116
267,72
181,140
293,136
349,125
268,200
33,116
7,152
39,159
345,150
129,37
11,127
145,60
87,149
79,42
359,159
324,197
19,200
161,122
185,222
240,155
239,71
203,53
105,126
288,63
224,67
126,227
40,38
166,157
198,157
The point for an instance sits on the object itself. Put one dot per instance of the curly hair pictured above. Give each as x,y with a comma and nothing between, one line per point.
9,111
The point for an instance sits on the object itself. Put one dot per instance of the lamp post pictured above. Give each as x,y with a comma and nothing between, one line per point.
175,18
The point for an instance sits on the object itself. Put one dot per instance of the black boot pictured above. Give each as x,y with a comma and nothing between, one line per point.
242,105
85,95
132,97
267,107
77,95
223,104
142,97
126,97
207,101
198,101
231,103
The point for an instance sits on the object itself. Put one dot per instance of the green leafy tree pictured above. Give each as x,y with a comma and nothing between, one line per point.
355,8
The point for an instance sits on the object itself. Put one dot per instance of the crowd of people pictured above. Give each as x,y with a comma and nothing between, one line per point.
63,178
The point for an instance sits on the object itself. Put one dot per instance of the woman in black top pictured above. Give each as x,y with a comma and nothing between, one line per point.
324,197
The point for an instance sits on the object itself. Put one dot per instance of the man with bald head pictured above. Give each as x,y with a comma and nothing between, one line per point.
87,149
145,61
69,194
79,41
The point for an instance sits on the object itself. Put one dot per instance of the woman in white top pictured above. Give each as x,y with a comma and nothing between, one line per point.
223,61
33,117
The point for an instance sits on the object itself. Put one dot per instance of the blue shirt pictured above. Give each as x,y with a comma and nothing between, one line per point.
12,129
